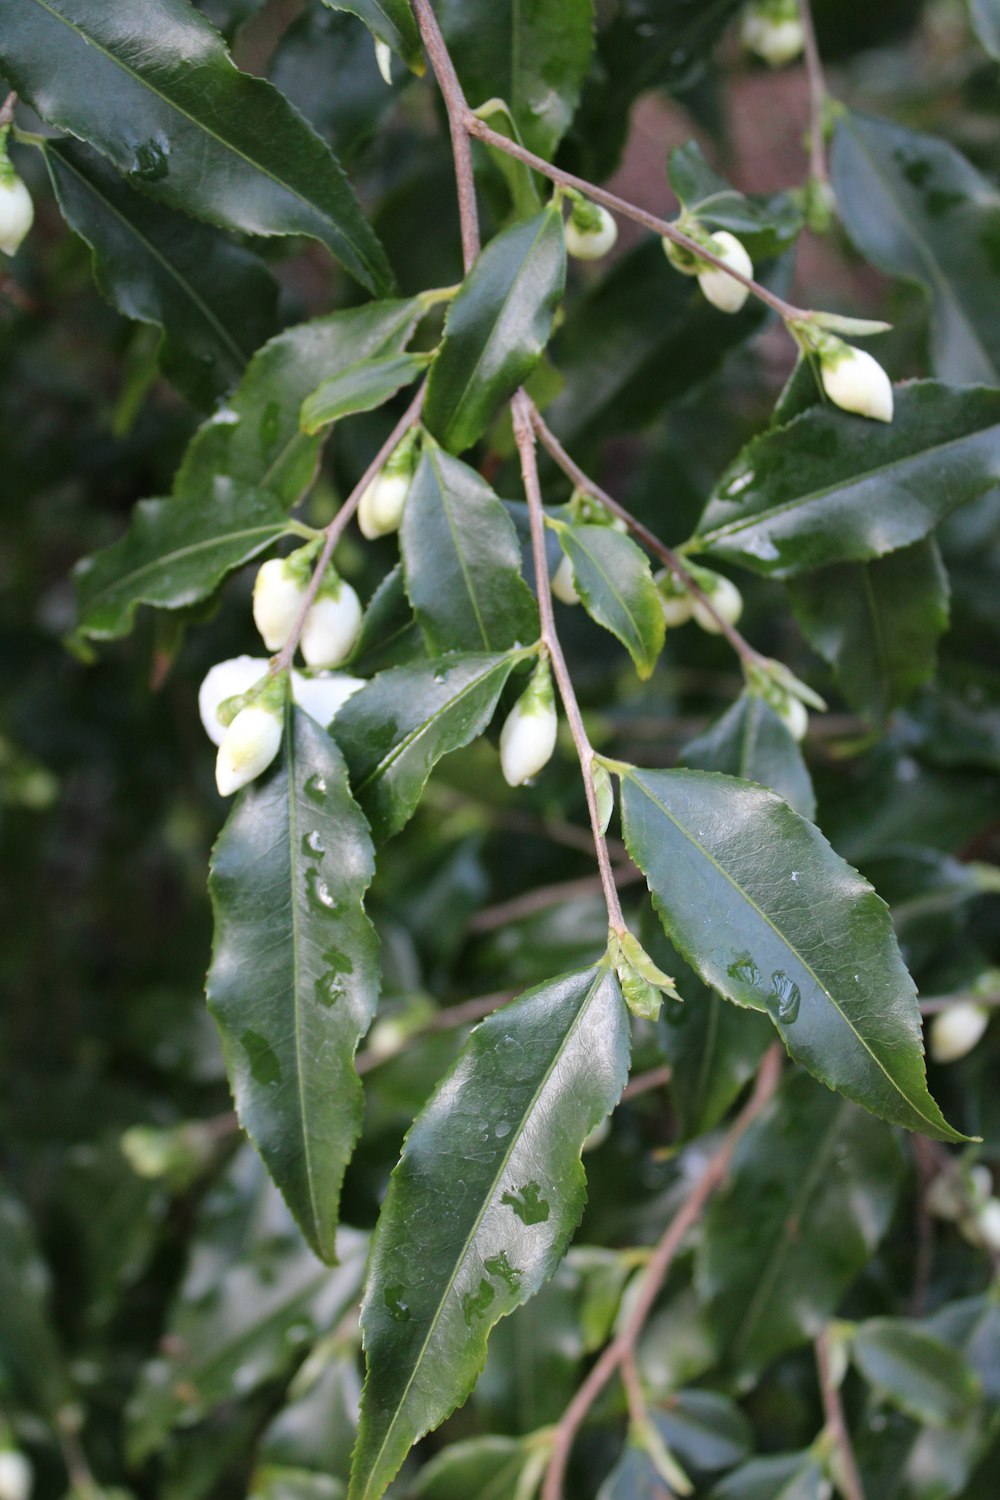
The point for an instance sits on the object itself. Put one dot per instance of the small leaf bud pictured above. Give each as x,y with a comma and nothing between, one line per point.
278,593
590,231
248,747
227,679
773,31
528,737
855,381
721,289
563,584
957,1030
332,624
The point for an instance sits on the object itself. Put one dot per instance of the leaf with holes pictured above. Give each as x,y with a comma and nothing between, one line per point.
294,979
481,1207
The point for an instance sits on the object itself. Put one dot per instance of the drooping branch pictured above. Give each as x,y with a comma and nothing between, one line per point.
458,111
850,1479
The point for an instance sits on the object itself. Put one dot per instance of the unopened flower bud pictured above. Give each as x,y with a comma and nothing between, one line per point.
16,1475
322,695
721,289
590,231
528,737
988,1225
381,507
955,1031
383,57
227,679
278,593
248,747
855,381
724,596
563,584
17,212
793,714
772,36
675,599
332,624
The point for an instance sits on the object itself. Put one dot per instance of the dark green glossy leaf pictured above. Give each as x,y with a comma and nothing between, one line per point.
752,742
643,337
390,21
533,53
252,1297
463,561
394,731
986,21
832,488
496,328
784,1476
615,583
927,1378
213,300
174,553
877,624
482,1204
390,636
256,438
360,387
706,1430
766,226
767,914
274,1482
325,64
812,1190
487,1467
154,89
294,979
713,1050
31,1361
916,208
633,1477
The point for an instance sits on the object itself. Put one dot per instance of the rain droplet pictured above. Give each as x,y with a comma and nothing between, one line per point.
527,1203
795,877
397,1309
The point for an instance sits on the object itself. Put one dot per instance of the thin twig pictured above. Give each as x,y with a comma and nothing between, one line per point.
467,1013
524,435
543,897
339,524
850,1479
938,1003
923,1260
624,1344
7,110
458,111
644,1083
817,96
649,539
483,132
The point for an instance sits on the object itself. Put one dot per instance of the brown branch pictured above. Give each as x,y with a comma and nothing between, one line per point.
7,110
817,95
623,1345
542,898
850,1479
458,112
644,1083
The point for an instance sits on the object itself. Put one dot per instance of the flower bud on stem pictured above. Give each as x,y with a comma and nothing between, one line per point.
528,737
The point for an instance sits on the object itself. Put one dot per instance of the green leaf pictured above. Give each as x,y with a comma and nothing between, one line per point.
496,328
482,1204
752,742
154,89
252,1297
713,1050
360,387
325,65
877,624
767,914
766,226
257,438
389,636
784,1476
615,584
706,1430
487,1467
522,182
294,979
174,553
921,1374
985,15
632,1477
463,561
830,488
214,301
31,1361
276,1482
916,208
395,730
811,1192
389,21
534,53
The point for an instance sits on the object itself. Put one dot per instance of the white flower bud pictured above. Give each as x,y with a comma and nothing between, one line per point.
248,747
321,696
16,1475
528,737
955,1031
225,680
856,382
777,42
794,714
381,508
17,213
721,289
562,583
277,600
383,57
591,243
331,626
679,256
988,1225
724,595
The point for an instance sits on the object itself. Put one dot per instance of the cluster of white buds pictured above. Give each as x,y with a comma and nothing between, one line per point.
381,508
851,378
528,736
331,625
720,288
590,230
963,1194
16,1475
956,1031
772,29
17,212
680,604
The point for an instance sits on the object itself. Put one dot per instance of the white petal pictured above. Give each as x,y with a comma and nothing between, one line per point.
225,680
277,599
321,696
17,214
15,1475
725,293
856,382
955,1031
248,747
563,584
331,628
527,741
